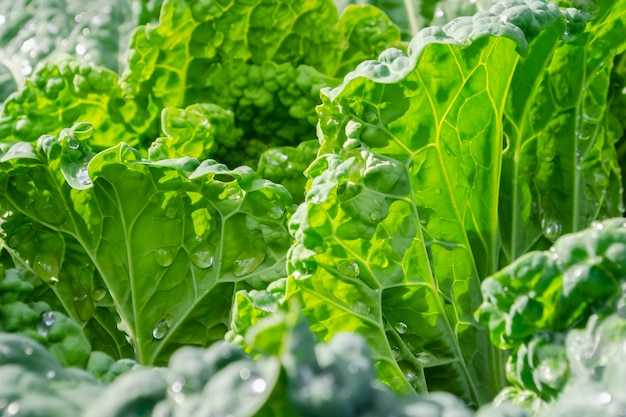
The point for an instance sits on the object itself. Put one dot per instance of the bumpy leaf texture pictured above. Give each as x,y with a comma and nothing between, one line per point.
532,304
401,220
155,249
265,61
64,91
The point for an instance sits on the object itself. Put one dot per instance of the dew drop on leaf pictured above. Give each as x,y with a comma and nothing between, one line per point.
395,351
244,373
99,294
46,265
72,141
551,229
605,398
275,212
361,308
425,358
47,320
13,408
401,327
248,261
164,256
202,257
348,268
160,329
84,306
258,386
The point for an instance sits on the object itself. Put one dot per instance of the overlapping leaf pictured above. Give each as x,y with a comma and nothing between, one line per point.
156,249
400,221
560,170
265,61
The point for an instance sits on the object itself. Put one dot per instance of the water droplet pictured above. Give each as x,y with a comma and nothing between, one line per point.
232,192
82,175
348,268
425,358
248,261
160,329
202,257
361,308
439,12
546,374
276,212
371,117
54,280
605,398
258,386
401,327
28,351
13,408
72,141
47,320
411,377
99,294
597,225
395,351
51,374
503,18
165,255
177,386
84,306
46,265
551,229
244,373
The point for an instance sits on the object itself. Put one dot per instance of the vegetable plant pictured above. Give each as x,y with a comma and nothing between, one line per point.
359,203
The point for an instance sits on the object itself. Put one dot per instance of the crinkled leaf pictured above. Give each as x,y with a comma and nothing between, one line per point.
264,61
161,247
400,221
556,289
65,91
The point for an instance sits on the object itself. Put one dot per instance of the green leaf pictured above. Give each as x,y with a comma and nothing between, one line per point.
266,62
65,91
400,221
559,169
156,249
556,289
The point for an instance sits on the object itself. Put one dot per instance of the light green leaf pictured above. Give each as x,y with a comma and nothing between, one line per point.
400,221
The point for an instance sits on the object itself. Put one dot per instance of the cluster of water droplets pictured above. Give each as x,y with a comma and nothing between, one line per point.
256,384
